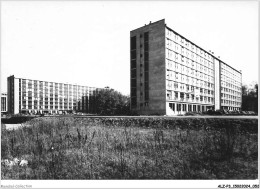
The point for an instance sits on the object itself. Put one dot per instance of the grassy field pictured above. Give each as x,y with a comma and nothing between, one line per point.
137,148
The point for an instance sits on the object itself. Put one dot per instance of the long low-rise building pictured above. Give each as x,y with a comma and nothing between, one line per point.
171,75
3,103
34,96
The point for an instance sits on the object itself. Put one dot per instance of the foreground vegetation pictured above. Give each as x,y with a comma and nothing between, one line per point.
131,148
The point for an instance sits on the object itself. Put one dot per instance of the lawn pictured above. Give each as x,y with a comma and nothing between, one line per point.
131,148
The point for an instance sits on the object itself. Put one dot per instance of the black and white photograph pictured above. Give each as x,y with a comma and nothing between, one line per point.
129,94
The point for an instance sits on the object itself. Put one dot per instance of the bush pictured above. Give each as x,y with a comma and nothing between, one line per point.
111,102
132,148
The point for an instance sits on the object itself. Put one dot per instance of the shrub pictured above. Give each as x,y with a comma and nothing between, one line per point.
132,148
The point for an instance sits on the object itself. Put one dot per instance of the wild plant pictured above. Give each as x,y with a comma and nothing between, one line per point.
124,148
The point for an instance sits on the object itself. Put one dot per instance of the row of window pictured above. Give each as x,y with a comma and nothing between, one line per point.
227,90
30,107
51,101
3,104
172,65
179,78
178,39
56,85
41,93
24,88
46,103
47,98
183,48
133,71
35,103
230,77
208,68
57,88
181,96
146,66
188,76
56,96
231,86
188,88
229,71
56,99
188,107
236,98
182,51
230,103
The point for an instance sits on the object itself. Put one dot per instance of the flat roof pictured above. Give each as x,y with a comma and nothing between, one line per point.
54,82
163,20
151,23
201,48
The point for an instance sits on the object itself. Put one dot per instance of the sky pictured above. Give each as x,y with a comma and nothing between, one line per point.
88,42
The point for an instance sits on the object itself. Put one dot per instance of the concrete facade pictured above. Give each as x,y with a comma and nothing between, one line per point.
3,102
34,96
156,103
182,76
230,87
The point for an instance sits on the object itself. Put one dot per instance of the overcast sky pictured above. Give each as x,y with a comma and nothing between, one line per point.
87,42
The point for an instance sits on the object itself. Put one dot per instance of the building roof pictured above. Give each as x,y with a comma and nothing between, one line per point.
202,49
151,23
163,20
54,82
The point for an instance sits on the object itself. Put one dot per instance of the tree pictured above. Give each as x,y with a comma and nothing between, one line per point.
256,87
256,98
111,102
250,98
244,89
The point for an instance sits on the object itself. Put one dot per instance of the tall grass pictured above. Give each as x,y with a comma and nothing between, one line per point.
136,148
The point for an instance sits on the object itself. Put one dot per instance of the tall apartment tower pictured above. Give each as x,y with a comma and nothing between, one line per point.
171,75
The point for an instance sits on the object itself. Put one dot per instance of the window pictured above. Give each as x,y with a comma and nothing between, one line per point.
133,43
168,95
176,95
189,107
146,65
133,54
175,85
172,106
178,107
133,91
184,107
182,96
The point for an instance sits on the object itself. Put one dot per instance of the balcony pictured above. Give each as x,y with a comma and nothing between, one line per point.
173,98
